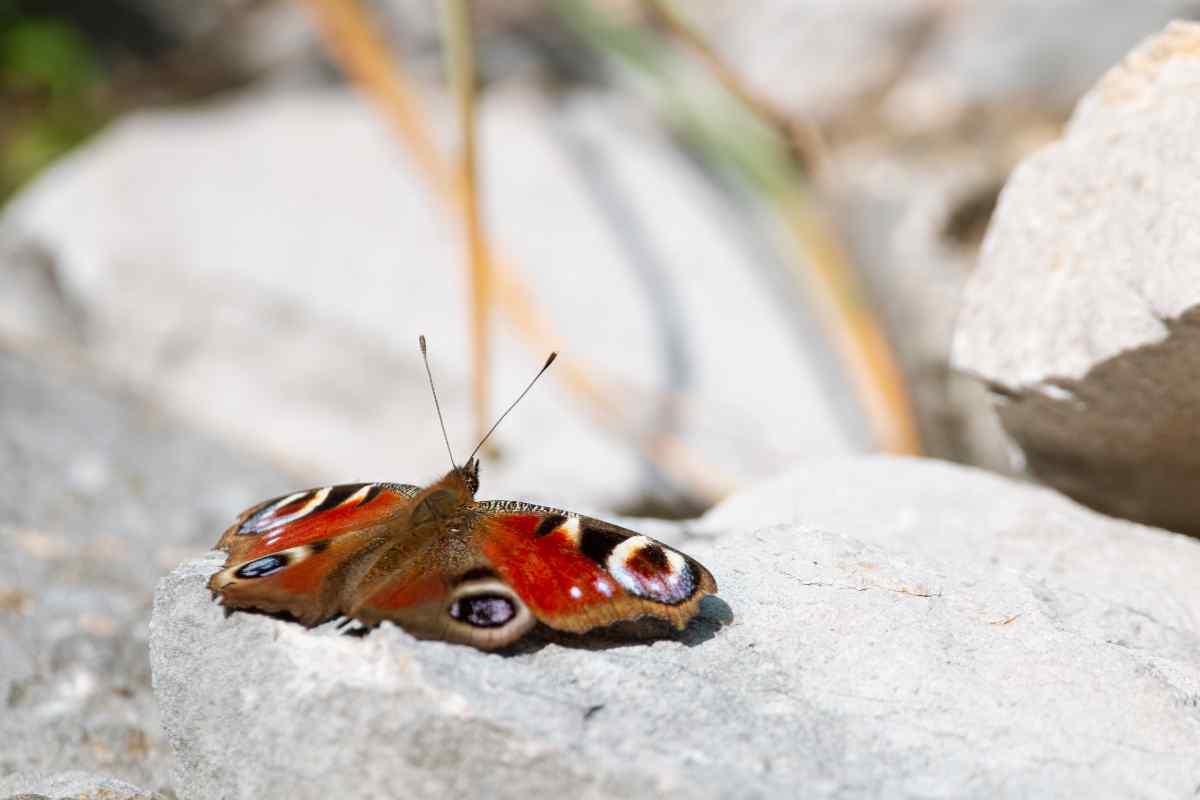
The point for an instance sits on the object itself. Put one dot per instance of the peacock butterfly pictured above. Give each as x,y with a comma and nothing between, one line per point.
443,565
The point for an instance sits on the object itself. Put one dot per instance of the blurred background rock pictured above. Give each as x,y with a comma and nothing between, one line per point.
224,187
216,255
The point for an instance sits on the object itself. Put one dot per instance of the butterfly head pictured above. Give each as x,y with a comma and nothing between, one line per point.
462,482
470,475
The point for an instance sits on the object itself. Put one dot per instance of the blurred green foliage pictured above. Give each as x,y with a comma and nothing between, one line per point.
37,54
52,92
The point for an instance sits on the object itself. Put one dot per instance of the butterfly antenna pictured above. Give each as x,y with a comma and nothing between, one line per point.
545,367
437,407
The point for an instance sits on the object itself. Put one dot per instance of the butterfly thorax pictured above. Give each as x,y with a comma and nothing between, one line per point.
434,533
433,537
447,503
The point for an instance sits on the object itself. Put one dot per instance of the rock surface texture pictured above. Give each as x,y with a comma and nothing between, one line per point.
101,494
884,627
1082,315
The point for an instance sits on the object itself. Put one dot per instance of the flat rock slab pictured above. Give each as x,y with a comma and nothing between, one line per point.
840,657
1082,315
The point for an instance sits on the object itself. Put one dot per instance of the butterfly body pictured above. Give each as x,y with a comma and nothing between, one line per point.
444,566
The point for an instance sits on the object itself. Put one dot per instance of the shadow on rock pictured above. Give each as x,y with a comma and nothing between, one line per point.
714,614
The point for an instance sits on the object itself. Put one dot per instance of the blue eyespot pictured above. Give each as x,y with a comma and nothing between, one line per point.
261,567
483,610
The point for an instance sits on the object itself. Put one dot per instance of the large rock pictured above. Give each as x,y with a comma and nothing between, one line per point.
297,223
101,494
884,627
1081,316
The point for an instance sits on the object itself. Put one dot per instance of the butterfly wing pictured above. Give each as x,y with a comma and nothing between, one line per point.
295,553
576,573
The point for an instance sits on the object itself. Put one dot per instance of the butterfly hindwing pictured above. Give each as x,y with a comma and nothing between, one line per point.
576,573
284,554
466,605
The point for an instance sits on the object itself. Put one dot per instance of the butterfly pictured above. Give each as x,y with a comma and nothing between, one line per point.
443,565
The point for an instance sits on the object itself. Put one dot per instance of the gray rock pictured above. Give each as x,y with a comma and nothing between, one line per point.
884,628
1081,316
1014,54
101,495
301,226
73,785
936,510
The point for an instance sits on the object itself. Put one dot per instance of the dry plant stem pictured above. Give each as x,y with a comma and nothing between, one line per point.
347,32
352,42
854,327
804,139
857,332
460,54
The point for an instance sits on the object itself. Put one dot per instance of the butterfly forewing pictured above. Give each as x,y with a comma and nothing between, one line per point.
303,517
297,553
